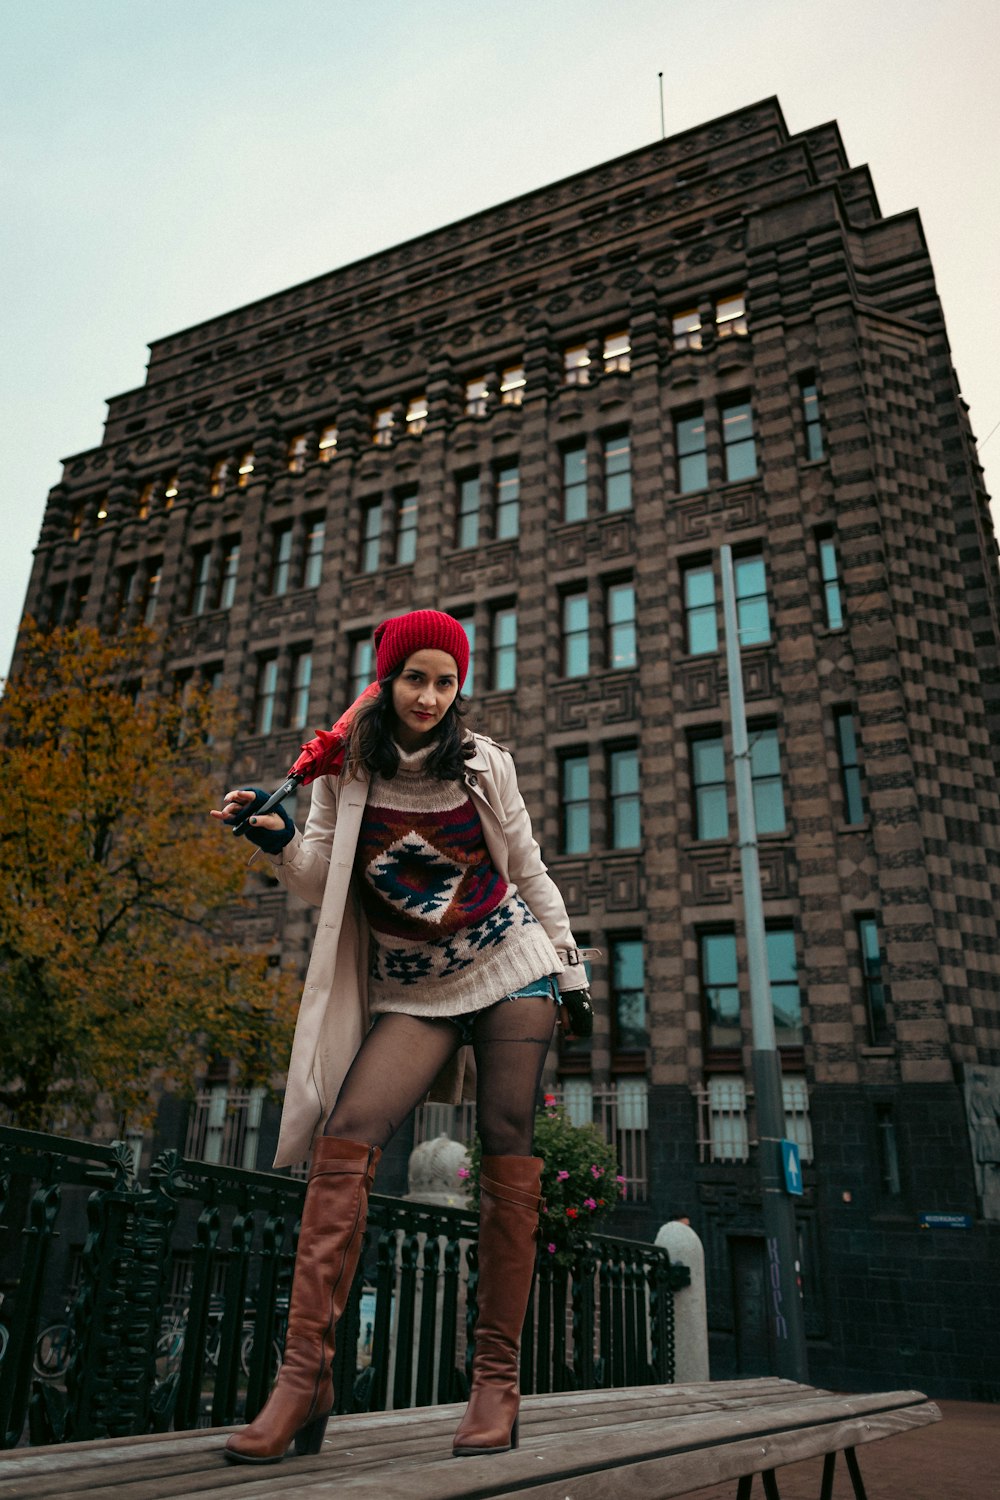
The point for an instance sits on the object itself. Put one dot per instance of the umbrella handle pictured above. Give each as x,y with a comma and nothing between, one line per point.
287,787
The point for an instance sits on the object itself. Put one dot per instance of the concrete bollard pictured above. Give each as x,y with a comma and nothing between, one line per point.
690,1307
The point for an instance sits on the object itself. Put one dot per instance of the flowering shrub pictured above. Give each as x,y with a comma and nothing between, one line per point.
580,1180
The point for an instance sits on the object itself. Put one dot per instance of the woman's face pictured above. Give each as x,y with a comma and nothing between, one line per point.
422,694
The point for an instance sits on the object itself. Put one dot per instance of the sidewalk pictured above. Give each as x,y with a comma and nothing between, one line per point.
955,1459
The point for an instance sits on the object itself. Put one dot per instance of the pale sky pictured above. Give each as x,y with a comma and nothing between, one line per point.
163,161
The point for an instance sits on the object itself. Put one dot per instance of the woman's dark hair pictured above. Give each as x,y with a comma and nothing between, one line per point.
370,745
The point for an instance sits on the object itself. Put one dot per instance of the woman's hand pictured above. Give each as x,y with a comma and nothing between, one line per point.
233,804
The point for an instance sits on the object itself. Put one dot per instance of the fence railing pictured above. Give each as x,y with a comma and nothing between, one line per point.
179,1315
727,1129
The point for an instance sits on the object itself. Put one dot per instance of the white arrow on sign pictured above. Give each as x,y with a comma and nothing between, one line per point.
792,1168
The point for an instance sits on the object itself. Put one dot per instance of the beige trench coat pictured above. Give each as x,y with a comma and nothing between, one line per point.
317,865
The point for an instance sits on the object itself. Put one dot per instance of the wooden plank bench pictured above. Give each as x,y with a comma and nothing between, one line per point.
646,1443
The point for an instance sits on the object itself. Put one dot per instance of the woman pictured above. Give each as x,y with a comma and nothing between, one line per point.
438,919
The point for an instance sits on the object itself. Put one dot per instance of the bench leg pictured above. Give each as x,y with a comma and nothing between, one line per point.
829,1464
770,1485
855,1473
744,1487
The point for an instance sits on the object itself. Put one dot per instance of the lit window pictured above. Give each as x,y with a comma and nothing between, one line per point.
245,469
708,782
371,536
172,491
621,626
700,626
102,509
575,483
219,482
230,568
786,1001
810,418
295,458
850,766
281,559
76,523
752,619
265,695
623,799
832,604
416,416
362,665
576,635
199,581
617,472
406,527
467,528
477,396
730,316
508,502
720,990
687,329
738,441
692,454
298,704
327,448
312,563
873,981
512,385
503,655
765,774
146,496
628,995
575,804
382,425
152,593
617,353
576,365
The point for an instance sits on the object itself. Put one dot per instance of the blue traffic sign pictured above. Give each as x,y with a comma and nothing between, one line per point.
792,1163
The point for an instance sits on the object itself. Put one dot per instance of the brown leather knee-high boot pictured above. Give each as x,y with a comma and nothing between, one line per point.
330,1236
509,1200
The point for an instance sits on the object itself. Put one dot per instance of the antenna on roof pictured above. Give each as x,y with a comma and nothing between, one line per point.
663,128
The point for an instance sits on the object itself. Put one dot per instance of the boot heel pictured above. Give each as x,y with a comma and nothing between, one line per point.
309,1439
515,1436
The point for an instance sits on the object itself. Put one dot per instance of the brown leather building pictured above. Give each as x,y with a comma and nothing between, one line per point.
547,418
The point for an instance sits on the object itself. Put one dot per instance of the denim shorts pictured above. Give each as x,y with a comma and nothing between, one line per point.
549,986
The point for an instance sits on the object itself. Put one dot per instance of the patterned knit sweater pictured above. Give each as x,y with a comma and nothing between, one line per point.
448,935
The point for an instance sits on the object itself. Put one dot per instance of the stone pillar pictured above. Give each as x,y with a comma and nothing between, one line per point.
690,1310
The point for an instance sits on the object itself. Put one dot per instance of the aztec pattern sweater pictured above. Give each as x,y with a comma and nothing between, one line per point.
448,935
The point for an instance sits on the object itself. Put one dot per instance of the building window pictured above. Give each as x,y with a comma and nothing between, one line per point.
812,426
720,989
512,385
382,425
102,509
701,633
145,500
730,316
406,527
576,365
873,981
153,578
371,536
687,329
765,774
78,599
508,502
850,767
76,524
617,472
171,492
327,448
467,528
738,441
575,805
219,481
575,634
198,602
708,781
468,624
265,695
295,458
617,353
628,995
752,619
362,665
298,698
692,455
244,470
312,562
503,653
888,1149
477,397
416,416
621,626
624,822
281,559
832,602
227,577
786,1002
125,593
574,482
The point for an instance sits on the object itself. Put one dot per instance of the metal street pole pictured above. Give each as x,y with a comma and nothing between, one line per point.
783,1298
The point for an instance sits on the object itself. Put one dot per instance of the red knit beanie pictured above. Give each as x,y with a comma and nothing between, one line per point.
422,630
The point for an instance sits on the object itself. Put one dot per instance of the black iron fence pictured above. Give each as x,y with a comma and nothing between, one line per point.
171,1303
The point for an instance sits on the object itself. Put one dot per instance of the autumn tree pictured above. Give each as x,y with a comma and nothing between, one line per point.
120,970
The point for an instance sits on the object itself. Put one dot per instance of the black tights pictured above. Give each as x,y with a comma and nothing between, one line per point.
401,1056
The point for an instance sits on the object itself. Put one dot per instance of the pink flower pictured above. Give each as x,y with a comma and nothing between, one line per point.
620,1179
561,1176
589,1203
551,1249
596,1172
463,1171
